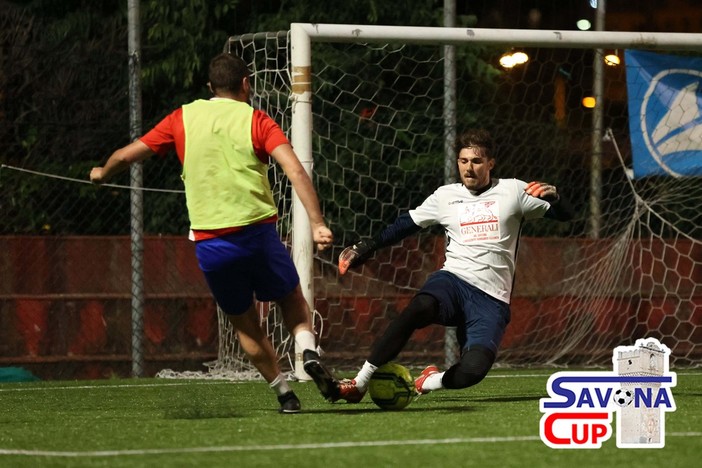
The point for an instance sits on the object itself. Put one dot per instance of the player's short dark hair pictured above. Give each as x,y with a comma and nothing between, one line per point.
227,72
476,138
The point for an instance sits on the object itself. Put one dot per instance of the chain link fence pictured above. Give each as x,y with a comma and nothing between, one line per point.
65,294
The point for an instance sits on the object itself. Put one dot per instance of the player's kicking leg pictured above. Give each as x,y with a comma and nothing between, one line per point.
259,350
296,315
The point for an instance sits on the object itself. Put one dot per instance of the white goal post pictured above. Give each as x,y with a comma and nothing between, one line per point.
364,107
303,35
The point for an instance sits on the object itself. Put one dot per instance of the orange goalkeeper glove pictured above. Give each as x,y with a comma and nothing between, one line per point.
356,255
542,190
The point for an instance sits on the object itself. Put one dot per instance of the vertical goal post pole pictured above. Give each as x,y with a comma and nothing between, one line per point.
301,139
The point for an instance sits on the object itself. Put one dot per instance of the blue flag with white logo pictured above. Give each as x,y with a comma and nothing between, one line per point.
665,122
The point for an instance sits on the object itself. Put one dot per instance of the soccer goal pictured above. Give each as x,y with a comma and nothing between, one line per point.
371,112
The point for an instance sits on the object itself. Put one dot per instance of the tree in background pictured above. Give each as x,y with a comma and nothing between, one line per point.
63,69
64,90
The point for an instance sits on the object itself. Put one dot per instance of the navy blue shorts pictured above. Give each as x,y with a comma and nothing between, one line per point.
249,262
480,319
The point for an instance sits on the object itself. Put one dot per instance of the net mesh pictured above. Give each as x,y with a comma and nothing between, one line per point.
627,266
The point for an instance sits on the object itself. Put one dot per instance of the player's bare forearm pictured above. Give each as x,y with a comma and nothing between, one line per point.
119,161
99,175
321,234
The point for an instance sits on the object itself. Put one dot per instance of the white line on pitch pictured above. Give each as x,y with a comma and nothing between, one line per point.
229,382
91,387
253,448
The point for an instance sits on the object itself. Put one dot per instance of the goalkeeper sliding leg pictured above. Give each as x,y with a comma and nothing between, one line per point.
446,300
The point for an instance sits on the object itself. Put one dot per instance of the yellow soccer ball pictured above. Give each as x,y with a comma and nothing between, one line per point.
392,387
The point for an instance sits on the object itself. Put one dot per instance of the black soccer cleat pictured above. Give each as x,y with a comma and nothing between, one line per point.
327,384
289,403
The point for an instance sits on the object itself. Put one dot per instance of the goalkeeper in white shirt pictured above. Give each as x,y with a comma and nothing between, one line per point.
482,217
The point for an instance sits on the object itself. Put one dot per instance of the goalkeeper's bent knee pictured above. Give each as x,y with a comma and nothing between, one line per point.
422,311
471,369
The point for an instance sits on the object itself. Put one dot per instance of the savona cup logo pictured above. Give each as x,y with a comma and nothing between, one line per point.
580,406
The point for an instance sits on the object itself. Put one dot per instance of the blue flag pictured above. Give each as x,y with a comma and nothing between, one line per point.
665,121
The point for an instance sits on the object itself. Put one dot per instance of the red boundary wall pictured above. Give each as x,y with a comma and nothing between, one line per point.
65,301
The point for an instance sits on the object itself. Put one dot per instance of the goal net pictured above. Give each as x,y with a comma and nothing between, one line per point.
628,266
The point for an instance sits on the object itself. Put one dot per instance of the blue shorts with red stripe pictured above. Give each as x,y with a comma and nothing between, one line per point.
249,263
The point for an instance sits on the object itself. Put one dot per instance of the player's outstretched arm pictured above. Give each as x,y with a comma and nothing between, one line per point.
357,254
120,160
560,209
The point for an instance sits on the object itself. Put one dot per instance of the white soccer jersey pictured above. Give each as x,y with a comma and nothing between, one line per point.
482,230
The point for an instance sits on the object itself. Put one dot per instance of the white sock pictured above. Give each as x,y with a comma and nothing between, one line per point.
305,340
280,385
433,382
364,375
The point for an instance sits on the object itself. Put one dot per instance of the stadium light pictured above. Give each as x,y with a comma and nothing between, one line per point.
583,24
589,102
512,59
520,58
612,59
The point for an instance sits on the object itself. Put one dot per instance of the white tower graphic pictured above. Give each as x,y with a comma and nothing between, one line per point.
641,425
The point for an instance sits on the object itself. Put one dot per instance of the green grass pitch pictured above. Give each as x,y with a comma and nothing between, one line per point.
163,423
